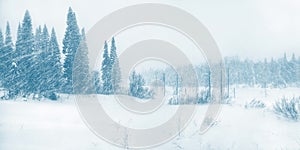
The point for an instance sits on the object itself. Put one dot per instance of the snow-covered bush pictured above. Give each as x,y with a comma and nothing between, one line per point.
52,96
173,100
288,108
137,87
180,100
202,98
255,104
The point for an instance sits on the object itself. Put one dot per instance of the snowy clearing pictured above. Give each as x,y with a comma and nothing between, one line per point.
58,125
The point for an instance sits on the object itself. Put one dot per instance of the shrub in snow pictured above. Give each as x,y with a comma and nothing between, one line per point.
202,98
180,100
173,100
53,96
288,108
137,87
255,104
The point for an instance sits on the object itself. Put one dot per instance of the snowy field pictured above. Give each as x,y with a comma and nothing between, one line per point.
57,124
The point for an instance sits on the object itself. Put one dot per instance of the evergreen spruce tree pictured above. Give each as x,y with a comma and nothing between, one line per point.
285,70
258,72
8,38
27,38
2,69
96,81
51,69
27,49
116,73
267,74
10,75
106,72
19,41
36,68
45,39
248,73
293,65
70,45
275,70
38,38
24,58
1,40
42,72
136,84
55,62
81,67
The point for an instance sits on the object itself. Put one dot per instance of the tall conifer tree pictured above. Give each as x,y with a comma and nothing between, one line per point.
70,45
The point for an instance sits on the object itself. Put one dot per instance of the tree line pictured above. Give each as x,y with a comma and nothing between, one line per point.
35,66
273,73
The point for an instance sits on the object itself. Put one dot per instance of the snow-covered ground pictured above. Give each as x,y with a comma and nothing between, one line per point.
57,124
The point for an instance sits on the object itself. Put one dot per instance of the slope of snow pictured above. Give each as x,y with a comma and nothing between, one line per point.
57,124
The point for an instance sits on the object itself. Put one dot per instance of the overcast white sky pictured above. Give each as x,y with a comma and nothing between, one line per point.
249,28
